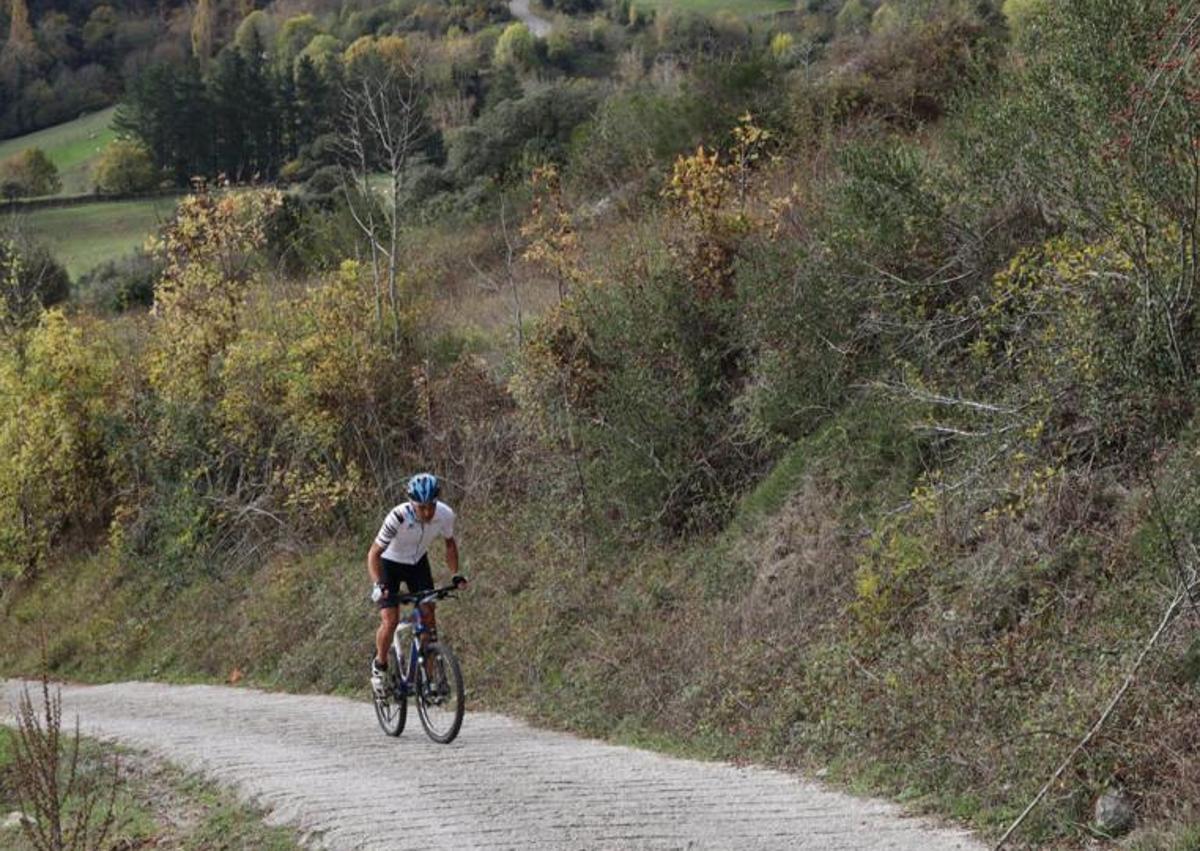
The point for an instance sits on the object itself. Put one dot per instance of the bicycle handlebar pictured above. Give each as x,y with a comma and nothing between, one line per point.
429,595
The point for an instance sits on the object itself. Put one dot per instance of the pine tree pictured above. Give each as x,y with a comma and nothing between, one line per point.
310,108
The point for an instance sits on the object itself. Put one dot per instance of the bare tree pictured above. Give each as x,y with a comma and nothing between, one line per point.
384,118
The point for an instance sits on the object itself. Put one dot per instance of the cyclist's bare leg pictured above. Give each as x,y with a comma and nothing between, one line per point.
388,618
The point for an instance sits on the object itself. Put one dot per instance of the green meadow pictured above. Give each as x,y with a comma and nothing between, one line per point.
84,235
73,147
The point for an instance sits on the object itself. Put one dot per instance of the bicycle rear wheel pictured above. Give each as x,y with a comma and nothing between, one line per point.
391,708
440,698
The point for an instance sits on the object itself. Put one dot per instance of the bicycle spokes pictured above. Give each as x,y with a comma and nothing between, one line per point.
440,699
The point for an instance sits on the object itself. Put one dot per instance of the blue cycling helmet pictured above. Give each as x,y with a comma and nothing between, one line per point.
423,488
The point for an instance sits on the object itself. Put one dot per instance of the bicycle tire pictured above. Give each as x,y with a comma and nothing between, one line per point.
441,714
391,710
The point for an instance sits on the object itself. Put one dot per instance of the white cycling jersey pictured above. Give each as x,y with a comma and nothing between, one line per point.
405,539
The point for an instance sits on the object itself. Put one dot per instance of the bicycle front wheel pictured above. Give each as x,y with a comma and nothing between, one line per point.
391,707
440,698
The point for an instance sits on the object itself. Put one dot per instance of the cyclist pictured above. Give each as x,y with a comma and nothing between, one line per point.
400,553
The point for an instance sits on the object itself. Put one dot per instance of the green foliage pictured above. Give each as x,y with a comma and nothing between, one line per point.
64,62
1062,318
690,32
57,383
125,167
917,328
917,60
643,374
783,46
774,489
1024,18
634,134
526,131
885,20
208,272
121,284
294,35
30,280
254,33
516,47
310,384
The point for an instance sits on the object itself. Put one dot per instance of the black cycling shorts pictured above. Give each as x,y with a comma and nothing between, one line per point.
416,578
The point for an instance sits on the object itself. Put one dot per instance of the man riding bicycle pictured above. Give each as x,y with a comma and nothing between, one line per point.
400,553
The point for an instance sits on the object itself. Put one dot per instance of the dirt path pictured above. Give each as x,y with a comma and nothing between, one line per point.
322,764
538,25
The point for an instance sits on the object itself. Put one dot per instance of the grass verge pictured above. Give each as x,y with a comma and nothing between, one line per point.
157,805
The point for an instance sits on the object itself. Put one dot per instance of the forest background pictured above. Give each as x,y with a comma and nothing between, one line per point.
816,387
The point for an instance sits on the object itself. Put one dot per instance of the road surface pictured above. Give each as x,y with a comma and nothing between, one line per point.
322,765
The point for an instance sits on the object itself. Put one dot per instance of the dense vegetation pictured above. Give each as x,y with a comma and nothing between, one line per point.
822,390
66,57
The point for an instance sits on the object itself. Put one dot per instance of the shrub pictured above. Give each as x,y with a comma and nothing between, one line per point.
635,133
575,7
125,167
783,47
534,128
324,183
54,471
914,66
30,280
66,811
516,48
27,174
685,32
123,284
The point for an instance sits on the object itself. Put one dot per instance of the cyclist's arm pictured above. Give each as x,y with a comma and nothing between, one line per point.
452,556
374,568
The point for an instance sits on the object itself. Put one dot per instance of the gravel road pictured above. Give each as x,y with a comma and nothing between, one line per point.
538,25
321,763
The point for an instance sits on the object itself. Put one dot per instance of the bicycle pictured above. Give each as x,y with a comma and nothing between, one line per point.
429,672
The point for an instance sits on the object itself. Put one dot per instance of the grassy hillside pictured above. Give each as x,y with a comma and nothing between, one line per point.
84,235
744,644
825,397
73,147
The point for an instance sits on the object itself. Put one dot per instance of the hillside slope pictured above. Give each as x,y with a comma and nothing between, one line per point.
822,395
74,147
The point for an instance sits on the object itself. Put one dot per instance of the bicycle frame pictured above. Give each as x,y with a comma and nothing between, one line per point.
414,621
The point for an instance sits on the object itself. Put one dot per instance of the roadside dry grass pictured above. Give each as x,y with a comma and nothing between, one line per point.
157,805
